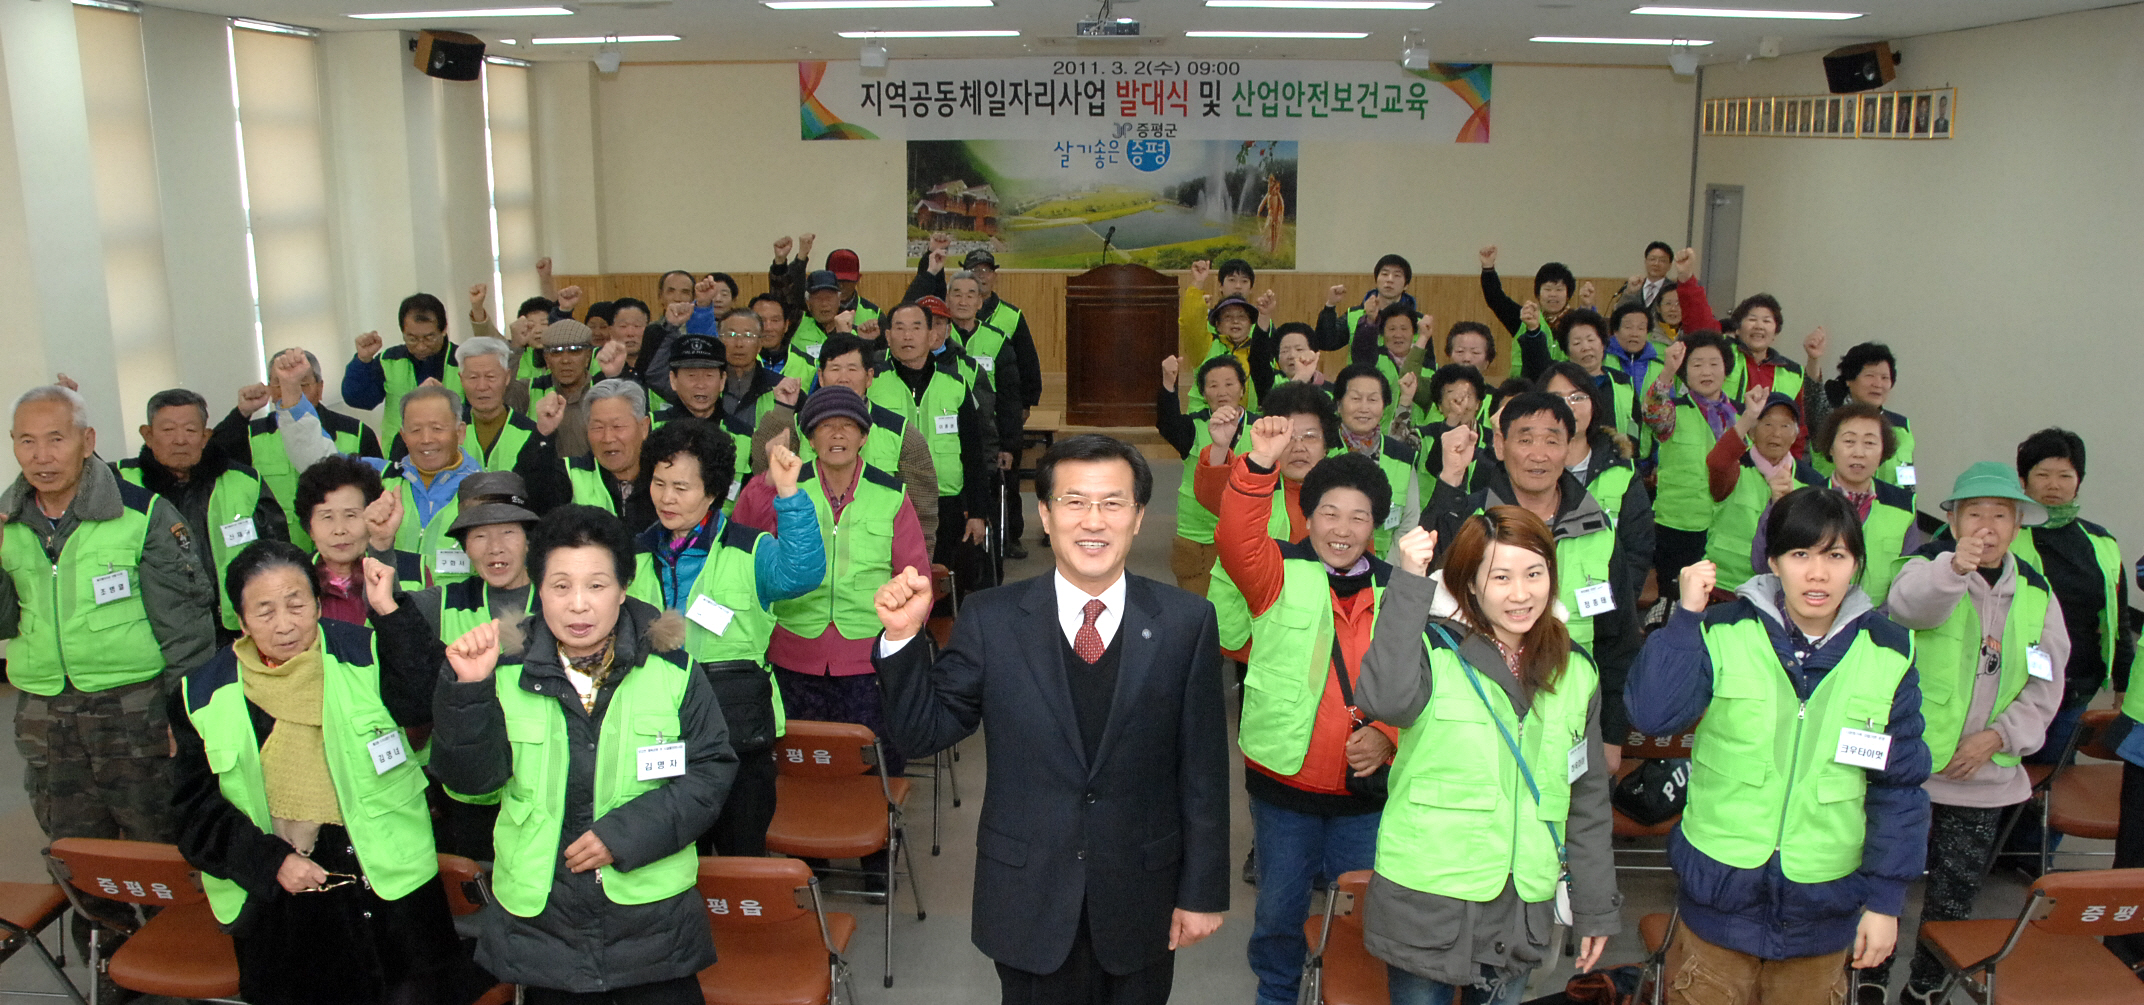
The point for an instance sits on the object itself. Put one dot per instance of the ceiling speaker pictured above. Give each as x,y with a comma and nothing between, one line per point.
449,55
1860,67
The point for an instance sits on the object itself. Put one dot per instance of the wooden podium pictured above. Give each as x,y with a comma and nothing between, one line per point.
1120,323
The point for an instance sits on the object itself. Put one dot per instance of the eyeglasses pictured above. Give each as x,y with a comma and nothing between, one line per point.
738,337
1114,506
1575,397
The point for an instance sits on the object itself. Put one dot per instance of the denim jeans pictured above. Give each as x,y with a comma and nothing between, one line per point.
1297,851
1408,989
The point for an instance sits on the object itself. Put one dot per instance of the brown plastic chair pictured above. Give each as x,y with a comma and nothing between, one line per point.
2051,953
26,910
833,800
775,943
1640,747
2083,800
1339,971
469,891
179,953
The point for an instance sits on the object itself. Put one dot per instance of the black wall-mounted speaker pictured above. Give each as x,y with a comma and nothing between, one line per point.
1860,67
449,55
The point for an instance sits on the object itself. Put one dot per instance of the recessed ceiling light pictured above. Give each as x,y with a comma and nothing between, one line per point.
1584,40
1276,34
1794,15
1329,4
866,4
478,12
603,39
973,33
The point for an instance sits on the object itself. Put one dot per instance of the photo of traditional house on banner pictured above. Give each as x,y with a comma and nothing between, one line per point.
1075,204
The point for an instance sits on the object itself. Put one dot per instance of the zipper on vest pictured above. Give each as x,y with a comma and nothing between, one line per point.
57,644
1801,716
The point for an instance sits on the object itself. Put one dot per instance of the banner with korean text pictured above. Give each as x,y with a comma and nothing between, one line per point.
1044,98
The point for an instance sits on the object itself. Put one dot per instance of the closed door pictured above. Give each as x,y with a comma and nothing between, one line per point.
1723,244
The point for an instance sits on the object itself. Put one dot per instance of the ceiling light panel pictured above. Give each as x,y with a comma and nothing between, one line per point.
604,39
1277,34
1791,15
972,33
1588,40
1328,4
443,15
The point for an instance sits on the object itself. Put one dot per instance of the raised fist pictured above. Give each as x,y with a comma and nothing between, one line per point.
703,292
1221,426
937,261
1269,439
788,391
1488,257
1201,271
1529,317
476,654
904,604
781,248
1336,294
252,398
1169,367
1408,383
804,244
368,346
1425,328
1414,550
543,266
67,382
523,332
941,241
1676,352
569,298
1813,346
383,517
677,313
783,464
1585,293
1685,265
845,322
549,412
379,586
1265,303
611,358
1754,399
1697,579
1457,445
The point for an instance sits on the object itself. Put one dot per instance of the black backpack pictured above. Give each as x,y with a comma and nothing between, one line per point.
1655,792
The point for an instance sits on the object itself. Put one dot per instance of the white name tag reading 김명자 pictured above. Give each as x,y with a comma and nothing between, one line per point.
1863,749
1595,600
710,615
2038,663
238,532
111,586
387,751
661,760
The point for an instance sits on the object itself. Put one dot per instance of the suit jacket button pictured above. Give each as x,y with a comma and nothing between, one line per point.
1090,797
1081,855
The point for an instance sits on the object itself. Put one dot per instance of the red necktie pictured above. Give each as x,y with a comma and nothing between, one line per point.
1088,643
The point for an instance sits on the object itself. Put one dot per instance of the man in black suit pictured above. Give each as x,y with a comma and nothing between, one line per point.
1103,844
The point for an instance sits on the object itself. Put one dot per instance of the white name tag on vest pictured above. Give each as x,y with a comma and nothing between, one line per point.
1576,761
386,752
1596,599
239,531
661,760
988,363
948,424
111,586
1863,749
1906,478
813,351
710,615
450,562
2038,663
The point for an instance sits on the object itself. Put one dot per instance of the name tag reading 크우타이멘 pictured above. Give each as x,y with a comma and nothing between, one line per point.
1863,749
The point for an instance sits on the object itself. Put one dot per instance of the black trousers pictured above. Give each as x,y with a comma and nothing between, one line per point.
1082,981
2129,840
676,991
741,829
972,568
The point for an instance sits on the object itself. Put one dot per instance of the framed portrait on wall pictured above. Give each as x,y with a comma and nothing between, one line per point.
1883,115
1923,103
1710,108
1903,127
1943,103
1831,116
1770,125
1866,122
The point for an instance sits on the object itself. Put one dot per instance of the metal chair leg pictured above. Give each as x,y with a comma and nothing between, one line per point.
915,889
893,850
952,773
937,763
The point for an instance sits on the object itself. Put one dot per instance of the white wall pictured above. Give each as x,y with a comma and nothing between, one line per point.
1997,264
701,167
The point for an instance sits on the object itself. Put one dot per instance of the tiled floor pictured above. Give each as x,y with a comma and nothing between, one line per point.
934,961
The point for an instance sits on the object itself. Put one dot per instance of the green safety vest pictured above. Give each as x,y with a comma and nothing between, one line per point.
236,497
729,578
401,373
1883,535
984,346
1610,486
859,557
65,636
1786,375
1231,610
1194,522
425,541
2107,553
938,415
1762,777
389,822
1401,464
1461,822
272,464
1390,368
1888,470
643,711
1004,317
1685,499
1292,661
586,477
1734,520
1950,660
505,451
467,604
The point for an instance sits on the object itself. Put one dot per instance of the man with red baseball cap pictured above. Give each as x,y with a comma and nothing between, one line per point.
847,269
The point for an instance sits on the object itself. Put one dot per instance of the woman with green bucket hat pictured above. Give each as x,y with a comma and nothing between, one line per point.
1990,645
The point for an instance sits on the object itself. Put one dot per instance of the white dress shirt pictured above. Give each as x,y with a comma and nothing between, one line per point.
1072,604
1071,613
